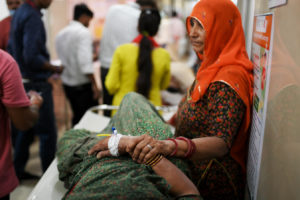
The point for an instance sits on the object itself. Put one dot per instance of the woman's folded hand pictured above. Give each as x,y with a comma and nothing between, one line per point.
145,147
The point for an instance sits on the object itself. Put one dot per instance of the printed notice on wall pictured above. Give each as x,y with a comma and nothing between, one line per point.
261,58
275,3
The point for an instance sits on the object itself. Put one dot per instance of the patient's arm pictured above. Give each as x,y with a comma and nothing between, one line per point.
101,148
180,183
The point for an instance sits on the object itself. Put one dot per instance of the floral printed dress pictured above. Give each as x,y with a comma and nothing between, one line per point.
219,113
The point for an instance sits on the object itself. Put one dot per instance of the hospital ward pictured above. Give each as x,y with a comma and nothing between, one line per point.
149,99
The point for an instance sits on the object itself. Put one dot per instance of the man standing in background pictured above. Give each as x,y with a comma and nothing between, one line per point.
120,27
74,49
12,6
27,44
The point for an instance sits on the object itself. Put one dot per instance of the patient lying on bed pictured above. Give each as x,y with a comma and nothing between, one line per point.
87,177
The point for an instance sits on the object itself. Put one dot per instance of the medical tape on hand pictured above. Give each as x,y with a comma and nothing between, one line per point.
113,144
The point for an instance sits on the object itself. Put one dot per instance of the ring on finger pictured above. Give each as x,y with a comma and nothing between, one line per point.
149,146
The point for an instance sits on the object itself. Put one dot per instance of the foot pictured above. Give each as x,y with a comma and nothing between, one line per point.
27,176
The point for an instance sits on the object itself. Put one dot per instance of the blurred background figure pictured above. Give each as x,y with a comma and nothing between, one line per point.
75,50
27,44
12,6
172,35
141,66
115,34
182,78
177,33
14,106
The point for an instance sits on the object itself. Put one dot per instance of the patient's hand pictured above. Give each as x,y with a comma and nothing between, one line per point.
140,148
101,148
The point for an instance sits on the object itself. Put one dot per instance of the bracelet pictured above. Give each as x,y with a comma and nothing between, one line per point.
113,144
188,143
176,147
157,161
150,160
191,147
154,160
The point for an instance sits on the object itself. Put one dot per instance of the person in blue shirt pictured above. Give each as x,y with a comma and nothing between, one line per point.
27,44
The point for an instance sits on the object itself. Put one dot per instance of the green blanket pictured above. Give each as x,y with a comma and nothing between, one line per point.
88,178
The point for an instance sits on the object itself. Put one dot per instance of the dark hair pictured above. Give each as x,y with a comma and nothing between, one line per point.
82,9
147,3
148,25
174,13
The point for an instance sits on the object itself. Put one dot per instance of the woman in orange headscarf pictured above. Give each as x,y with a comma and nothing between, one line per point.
212,122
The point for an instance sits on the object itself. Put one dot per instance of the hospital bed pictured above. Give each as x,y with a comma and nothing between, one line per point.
49,186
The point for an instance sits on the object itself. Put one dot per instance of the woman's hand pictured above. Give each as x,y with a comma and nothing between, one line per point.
146,147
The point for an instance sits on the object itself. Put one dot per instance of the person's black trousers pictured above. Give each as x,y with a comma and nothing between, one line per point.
45,128
107,98
81,99
5,198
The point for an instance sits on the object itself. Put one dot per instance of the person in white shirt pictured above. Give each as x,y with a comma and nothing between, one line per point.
120,27
74,49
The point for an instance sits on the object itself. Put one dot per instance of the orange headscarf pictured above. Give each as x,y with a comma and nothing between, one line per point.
225,59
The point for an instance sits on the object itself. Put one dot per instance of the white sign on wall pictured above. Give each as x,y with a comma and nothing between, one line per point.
261,55
274,3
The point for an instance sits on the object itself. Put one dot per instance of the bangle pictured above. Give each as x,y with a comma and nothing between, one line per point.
151,159
191,147
176,147
157,161
188,143
154,160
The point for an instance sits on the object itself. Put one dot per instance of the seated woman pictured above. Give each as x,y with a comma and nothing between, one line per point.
210,143
140,66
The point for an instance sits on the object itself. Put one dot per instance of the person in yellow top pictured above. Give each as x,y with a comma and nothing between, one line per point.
141,66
